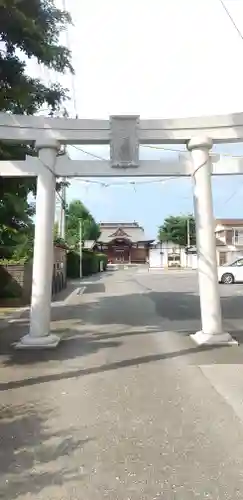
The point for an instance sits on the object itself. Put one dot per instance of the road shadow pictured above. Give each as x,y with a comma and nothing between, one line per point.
74,374
74,344
87,328
32,456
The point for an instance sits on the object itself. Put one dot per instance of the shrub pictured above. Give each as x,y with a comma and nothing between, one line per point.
90,263
72,264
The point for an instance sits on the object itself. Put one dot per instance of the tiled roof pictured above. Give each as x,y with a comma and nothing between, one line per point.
131,231
89,244
229,222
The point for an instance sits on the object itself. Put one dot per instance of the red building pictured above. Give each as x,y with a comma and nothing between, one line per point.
124,242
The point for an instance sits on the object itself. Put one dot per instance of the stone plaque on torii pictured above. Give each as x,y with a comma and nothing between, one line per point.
124,134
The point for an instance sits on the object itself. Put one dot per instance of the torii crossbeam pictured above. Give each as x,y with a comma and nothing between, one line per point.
124,134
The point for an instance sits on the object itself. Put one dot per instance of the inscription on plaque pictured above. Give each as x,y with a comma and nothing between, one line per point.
124,141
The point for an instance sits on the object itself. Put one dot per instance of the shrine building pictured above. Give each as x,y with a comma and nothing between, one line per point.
124,242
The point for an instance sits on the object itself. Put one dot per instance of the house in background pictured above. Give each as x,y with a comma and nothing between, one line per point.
229,246
229,237
123,242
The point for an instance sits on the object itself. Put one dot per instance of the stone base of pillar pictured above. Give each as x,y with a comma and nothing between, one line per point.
32,342
224,338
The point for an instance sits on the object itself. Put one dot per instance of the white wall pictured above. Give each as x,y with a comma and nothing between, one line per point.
192,261
155,258
159,256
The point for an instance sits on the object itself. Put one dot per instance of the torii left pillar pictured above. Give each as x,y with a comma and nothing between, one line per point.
40,314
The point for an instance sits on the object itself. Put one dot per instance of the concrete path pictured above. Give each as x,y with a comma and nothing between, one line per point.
125,408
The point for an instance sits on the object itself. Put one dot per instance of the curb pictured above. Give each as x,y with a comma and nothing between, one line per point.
5,321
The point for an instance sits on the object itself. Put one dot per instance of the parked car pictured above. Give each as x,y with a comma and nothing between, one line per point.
231,273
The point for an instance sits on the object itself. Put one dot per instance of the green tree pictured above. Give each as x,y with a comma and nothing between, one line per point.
16,232
28,28
176,228
77,212
56,231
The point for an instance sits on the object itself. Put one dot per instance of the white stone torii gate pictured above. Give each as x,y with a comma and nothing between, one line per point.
124,134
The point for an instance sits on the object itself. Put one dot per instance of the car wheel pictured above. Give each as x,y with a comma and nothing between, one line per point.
227,279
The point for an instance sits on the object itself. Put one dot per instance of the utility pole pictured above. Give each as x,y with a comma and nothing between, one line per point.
62,229
188,239
188,232
80,248
62,226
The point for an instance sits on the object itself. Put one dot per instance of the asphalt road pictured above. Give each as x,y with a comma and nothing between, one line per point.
175,294
127,407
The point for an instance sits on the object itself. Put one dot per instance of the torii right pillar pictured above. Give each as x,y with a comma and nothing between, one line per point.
211,317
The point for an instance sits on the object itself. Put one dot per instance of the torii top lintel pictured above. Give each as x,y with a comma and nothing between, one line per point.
26,129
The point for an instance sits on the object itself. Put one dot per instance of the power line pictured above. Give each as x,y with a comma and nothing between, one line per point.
173,150
233,194
231,19
126,183
88,153
183,151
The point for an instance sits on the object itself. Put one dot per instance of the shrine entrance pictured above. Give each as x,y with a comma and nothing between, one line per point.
124,134
120,252
124,242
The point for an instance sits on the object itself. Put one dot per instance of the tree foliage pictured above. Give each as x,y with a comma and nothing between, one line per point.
77,212
175,229
16,233
28,29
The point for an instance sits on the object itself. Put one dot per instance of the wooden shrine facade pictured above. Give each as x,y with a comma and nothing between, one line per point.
124,242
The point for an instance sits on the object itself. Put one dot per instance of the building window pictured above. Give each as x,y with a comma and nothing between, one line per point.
237,237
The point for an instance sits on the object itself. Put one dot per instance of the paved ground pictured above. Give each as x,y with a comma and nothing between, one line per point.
127,407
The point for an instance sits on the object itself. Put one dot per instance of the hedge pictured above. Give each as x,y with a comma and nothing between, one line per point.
90,263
